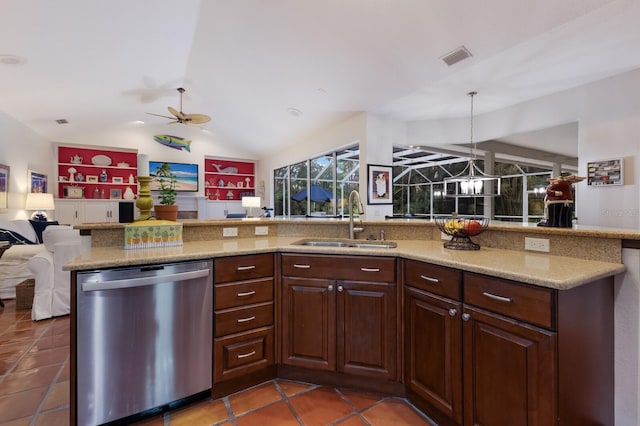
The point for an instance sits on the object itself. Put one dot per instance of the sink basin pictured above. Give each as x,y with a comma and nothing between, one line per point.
347,243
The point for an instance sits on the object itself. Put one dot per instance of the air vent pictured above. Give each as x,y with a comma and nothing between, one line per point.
62,121
455,56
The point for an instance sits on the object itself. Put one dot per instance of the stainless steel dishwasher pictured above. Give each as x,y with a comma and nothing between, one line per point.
144,338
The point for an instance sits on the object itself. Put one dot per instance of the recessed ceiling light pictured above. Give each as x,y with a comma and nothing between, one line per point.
295,112
322,91
12,60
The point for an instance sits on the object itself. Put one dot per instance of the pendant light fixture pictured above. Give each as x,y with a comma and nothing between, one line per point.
471,181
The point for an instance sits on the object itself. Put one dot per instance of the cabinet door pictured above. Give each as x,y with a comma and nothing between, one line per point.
100,211
308,318
66,212
510,371
433,350
367,337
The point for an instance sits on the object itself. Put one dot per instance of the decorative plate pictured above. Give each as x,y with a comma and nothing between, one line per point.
101,160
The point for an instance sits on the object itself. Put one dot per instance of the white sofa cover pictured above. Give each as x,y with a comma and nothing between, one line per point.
13,263
52,284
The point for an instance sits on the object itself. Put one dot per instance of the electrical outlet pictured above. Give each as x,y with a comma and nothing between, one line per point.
262,230
229,232
536,244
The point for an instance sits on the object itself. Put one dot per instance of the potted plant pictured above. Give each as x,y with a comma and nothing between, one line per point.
167,210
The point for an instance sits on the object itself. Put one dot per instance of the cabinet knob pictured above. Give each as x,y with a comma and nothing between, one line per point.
330,287
453,312
466,317
340,288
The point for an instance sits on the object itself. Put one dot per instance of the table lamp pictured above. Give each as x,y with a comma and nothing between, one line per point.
250,203
39,201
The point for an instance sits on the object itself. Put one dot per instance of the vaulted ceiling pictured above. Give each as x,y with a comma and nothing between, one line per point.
271,72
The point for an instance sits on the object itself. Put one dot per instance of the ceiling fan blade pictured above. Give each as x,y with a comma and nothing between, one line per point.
177,113
196,118
163,116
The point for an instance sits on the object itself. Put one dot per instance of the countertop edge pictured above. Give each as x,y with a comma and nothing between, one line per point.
543,270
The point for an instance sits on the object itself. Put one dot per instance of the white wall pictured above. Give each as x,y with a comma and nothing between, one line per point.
22,150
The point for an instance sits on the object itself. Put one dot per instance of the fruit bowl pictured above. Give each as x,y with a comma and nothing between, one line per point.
460,229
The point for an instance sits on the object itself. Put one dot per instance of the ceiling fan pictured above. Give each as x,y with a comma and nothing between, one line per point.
181,117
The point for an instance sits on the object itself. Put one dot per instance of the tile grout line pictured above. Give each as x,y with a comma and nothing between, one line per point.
24,354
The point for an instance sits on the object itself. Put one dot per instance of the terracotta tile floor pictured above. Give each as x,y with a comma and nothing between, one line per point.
34,389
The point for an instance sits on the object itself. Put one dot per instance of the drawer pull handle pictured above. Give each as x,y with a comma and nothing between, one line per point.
301,266
498,298
370,269
433,280
247,355
247,293
241,320
246,268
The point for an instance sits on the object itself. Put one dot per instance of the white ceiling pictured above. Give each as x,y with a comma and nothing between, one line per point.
103,64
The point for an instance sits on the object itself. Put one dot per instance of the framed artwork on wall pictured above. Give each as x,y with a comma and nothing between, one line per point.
379,184
37,182
4,187
115,194
605,172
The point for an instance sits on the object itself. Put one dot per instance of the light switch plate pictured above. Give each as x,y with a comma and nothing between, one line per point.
262,230
229,232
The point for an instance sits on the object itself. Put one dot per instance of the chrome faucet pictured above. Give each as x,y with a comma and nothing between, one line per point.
352,229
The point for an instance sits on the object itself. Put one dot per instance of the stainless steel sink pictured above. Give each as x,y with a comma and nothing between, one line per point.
347,243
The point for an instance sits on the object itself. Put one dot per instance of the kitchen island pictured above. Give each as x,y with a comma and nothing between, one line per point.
543,294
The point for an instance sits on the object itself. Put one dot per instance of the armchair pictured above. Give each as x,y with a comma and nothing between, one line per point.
52,284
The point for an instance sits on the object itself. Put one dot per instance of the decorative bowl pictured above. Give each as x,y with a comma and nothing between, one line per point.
461,229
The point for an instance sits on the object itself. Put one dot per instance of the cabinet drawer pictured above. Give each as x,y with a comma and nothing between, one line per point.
535,305
238,268
357,268
241,319
433,278
231,295
243,353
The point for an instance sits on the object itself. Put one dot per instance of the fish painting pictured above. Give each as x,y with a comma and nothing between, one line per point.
175,142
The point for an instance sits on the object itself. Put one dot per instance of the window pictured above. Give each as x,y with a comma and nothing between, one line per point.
418,187
319,186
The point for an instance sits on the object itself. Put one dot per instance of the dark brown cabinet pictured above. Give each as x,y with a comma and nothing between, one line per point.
481,350
433,338
244,316
339,314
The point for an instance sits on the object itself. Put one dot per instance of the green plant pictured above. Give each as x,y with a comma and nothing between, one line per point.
167,181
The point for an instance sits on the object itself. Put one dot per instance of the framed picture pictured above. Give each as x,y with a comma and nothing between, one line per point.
115,194
37,182
605,172
4,187
116,179
92,178
379,184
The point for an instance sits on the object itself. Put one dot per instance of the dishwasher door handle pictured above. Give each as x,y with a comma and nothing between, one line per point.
140,282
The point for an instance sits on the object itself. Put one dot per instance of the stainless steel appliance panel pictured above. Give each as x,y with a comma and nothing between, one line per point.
144,338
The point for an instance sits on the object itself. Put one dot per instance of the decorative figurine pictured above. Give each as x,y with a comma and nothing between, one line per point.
103,176
558,202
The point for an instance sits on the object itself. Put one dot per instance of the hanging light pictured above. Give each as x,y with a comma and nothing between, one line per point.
471,181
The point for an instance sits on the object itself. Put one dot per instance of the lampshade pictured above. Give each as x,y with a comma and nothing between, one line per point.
39,201
250,201
470,182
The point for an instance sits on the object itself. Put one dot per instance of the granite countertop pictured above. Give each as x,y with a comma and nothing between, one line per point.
545,270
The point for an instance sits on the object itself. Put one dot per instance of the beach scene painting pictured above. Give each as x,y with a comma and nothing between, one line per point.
186,175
